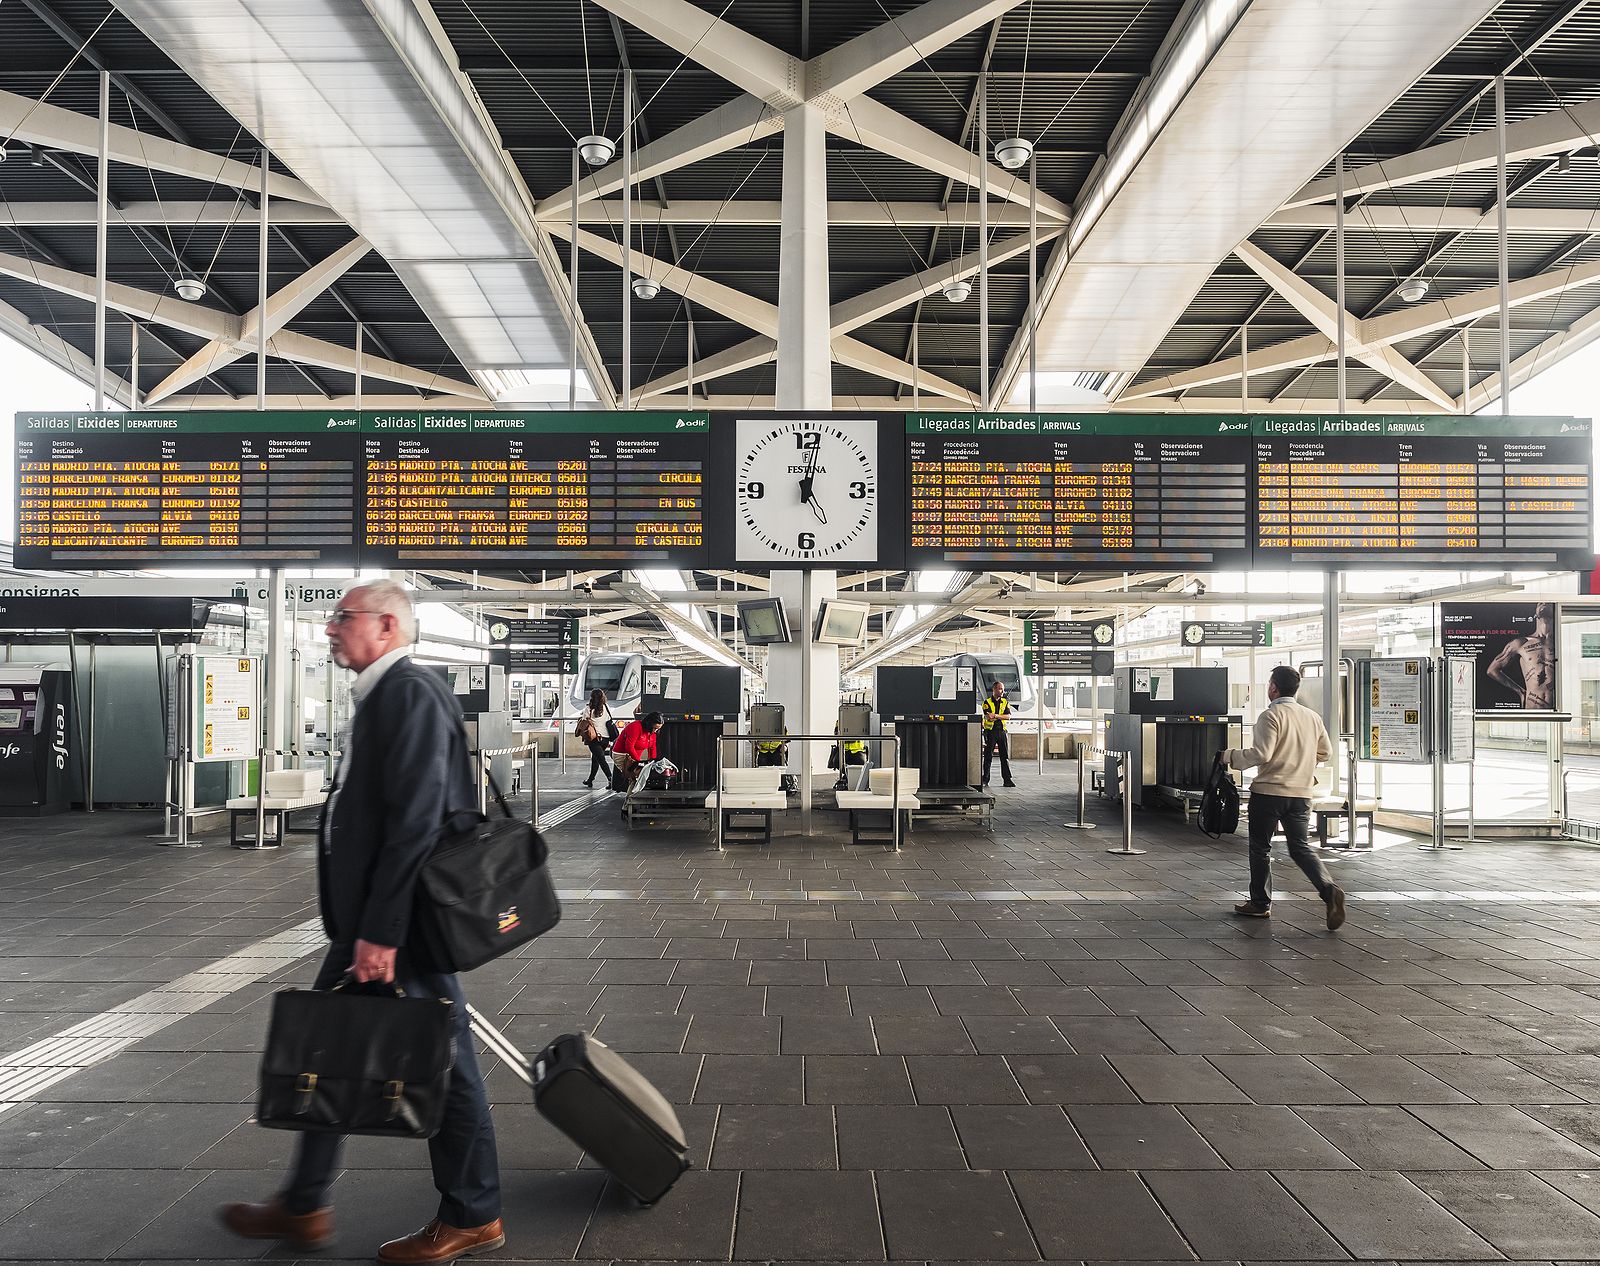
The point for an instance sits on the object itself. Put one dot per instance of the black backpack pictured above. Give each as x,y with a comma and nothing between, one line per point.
1219,806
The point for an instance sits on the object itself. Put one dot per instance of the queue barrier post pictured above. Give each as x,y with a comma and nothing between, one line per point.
1082,824
1127,849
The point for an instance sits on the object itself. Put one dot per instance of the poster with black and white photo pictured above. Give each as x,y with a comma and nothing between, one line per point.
1514,645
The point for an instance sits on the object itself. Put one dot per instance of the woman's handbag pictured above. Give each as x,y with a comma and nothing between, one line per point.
350,1061
584,730
482,892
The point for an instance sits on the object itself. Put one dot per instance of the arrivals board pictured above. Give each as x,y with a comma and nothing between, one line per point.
1423,490
517,490
1094,491
158,489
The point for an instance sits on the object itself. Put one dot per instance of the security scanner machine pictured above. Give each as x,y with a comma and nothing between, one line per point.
1170,723
37,739
935,712
699,705
766,725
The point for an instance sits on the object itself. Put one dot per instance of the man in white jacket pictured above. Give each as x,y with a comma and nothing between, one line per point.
1289,743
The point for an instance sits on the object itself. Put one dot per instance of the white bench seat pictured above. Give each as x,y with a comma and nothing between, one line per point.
278,807
755,791
857,803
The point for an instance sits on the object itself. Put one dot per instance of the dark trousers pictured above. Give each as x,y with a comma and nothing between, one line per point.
597,759
995,740
466,1169
1294,812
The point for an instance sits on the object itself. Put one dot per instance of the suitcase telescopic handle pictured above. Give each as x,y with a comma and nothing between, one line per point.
500,1044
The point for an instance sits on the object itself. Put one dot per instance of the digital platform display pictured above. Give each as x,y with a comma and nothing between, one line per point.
1089,490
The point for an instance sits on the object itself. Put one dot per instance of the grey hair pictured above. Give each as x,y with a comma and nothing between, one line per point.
390,597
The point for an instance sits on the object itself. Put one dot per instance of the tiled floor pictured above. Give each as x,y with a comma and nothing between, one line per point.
991,1047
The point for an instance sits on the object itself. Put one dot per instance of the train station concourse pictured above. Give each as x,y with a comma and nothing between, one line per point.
778,631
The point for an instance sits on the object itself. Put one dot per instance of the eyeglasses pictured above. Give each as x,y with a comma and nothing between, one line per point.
343,615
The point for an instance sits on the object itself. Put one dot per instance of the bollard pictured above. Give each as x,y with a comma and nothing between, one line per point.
1083,795
1127,849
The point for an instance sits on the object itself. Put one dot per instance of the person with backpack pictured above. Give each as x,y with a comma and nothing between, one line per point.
597,729
1289,743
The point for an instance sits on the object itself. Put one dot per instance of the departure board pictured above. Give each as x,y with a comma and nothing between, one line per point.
1095,490
518,490
1427,490
158,489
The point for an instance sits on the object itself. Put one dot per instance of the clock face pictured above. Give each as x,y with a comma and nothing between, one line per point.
807,490
1103,633
1194,634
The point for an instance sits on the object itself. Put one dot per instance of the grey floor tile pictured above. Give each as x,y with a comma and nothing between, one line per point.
808,1216
897,1138
524,1140
828,1035
774,1138
694,1224
1069,1079
1297,1035
1388,1034
1241,1215
1110,1035
1379,1215
1581,1185
189,1228
48,1134
1492,1079
93,1213
1282,1079
946,1216
634,1033
876,1001
162,1136
963,1079
1248,1136
1176,1079
1520,1215
24,1186
1142,1136
1020,1138
1503,1137
1015,1035
751,1079
1581,1123
1381,1136
733,1035
1387,1079
1098,1217
879,1079
1577,1074
1203,1035
922,1035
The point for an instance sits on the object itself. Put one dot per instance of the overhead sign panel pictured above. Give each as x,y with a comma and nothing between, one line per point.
1094,490
1423,490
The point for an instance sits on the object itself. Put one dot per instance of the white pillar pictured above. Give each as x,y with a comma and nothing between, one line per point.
801,676
572,379
1330,580
261,299
627,238
1500,196
983,241
1033,312
102,197
133,364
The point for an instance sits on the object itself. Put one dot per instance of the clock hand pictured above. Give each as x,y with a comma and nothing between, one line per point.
816,509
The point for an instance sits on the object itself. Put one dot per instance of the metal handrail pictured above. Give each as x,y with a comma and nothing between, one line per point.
894,780
485,755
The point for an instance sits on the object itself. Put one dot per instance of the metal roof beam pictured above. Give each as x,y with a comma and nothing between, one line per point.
853,213
55,349
174,214
1559,131
1320,310
1582,332
864,62
40,123
1419,221
281,308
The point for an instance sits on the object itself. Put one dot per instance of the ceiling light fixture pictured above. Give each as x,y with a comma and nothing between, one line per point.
1013,152
646,288
1414,289
958,291
597,151
190,288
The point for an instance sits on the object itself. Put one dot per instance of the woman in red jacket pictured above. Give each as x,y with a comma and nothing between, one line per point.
635,745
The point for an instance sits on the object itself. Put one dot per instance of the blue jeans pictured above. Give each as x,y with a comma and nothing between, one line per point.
466,1168
1295,814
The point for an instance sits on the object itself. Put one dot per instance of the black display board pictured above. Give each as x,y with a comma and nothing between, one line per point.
1440,491
1091,490
131,490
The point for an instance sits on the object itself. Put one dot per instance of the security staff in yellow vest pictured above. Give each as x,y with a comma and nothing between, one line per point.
848,752
996,708
775,751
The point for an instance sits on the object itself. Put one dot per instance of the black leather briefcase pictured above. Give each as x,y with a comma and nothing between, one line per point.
356,1059
482,892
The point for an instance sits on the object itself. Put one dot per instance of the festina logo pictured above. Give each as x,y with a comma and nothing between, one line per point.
807,470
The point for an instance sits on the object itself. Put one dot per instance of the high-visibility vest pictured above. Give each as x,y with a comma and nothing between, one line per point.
854,746
768,747
995,710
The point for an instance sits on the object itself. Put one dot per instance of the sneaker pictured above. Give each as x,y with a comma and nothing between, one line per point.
1008,784
1250,910
588,782
1335,908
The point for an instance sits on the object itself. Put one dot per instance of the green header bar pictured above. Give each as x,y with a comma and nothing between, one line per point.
1494,427
367,422
1138,425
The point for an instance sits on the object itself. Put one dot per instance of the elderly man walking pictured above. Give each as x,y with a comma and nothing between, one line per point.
404,773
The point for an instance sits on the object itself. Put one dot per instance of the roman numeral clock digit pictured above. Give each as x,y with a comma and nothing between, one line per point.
807,490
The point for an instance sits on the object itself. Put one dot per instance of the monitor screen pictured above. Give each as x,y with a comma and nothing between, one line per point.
10,718
842,623
764,622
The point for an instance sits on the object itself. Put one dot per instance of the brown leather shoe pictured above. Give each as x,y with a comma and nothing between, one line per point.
271,1221
439,1242
1335,908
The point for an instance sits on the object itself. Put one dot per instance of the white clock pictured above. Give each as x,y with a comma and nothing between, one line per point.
1194,634
1104,633
807,490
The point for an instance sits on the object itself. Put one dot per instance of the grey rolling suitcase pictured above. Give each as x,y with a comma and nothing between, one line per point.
603,1104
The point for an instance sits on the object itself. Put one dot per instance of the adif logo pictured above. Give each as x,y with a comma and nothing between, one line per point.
8,751
59,744
689,424
1224,427
1567,428
509,920
335,424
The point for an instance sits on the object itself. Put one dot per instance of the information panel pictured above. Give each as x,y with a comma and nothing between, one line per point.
158,489
524,489
227,708
1094,489
1423,490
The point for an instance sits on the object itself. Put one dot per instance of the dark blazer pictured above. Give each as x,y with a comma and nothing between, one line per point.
408,772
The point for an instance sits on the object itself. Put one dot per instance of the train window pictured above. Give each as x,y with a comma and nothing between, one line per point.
630,687
605,676
1003,670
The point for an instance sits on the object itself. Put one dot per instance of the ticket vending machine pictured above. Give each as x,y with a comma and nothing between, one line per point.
37,740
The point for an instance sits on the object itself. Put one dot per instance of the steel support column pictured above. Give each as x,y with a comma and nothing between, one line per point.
102,198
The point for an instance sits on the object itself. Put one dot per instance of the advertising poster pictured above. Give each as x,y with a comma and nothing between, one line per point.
1514,645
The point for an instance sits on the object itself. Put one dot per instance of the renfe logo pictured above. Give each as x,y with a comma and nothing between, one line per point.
8,751
509,920
59,746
